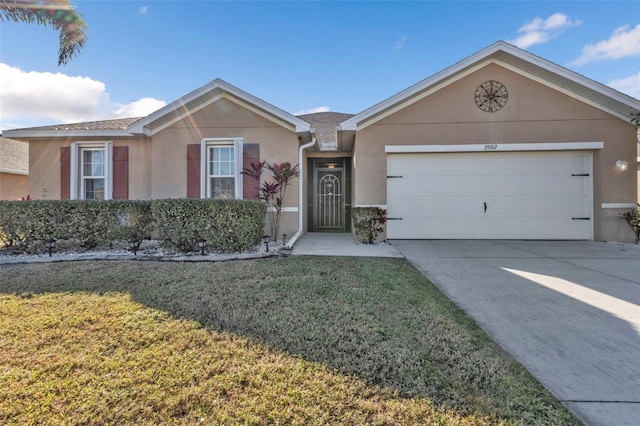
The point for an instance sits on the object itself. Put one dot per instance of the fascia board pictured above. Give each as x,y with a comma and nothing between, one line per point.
299,124
140,125
14,172
573,76
572,94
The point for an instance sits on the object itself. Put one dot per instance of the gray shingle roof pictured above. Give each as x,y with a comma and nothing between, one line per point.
116,124
325,124
14,155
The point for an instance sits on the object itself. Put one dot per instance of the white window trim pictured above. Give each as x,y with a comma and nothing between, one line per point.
75,174
204,181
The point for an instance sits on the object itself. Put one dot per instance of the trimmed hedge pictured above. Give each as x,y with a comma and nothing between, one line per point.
227,225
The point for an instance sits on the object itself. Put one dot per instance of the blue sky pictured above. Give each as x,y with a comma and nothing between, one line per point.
298,55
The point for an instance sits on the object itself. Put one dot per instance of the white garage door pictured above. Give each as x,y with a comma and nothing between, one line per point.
497,195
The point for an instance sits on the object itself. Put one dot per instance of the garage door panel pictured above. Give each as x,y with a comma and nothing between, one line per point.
528,195
575,207
576,185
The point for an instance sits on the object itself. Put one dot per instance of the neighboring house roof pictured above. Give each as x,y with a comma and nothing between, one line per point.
325,125
517,60
169,114
14,156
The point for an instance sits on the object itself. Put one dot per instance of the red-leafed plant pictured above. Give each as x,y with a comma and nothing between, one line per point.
633,219
273,192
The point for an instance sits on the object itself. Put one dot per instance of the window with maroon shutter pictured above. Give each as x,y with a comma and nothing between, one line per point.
250,187
193,170
120,172
65,173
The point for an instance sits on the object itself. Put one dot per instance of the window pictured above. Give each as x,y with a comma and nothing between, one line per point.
91,171
222,167
93,178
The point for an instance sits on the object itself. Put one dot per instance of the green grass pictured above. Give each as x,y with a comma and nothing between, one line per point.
300,340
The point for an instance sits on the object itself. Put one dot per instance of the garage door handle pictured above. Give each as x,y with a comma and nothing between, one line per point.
580,218
485,207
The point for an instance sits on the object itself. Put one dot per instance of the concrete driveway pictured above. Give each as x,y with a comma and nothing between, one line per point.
568,311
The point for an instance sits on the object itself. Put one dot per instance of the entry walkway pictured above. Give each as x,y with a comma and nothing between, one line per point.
340,244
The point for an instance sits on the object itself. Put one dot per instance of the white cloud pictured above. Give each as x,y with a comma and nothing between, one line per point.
624,42
139,108
629,85
40,98
400,43
539,30
312,110
142,10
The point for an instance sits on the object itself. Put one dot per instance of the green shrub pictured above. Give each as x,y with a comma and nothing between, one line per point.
368,223
23,224
134,221
226,225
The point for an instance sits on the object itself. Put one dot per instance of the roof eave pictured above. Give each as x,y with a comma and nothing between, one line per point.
14,172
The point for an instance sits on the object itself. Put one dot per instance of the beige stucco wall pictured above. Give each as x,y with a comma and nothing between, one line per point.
13,186
44,164
222,119
534,114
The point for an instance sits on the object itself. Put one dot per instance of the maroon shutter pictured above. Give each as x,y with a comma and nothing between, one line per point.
120,172
193,170
65,173
250,154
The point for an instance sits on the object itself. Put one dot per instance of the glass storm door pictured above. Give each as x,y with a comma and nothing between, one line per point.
329,193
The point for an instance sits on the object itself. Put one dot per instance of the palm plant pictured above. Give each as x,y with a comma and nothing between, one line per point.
58,14
273,192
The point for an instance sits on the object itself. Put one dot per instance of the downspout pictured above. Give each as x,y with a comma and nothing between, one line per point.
295,237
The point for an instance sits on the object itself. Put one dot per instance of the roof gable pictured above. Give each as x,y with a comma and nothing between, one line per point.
516,60
169,114
208,94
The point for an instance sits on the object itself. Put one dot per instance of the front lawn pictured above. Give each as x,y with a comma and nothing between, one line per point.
299,340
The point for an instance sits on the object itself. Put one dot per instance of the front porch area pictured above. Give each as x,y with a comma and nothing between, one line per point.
340,244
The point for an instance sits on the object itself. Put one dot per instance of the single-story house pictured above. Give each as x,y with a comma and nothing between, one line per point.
14,169
501,145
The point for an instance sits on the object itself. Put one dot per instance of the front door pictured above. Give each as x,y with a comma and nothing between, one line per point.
329,194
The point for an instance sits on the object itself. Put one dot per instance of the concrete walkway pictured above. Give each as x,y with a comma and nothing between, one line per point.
340,244
568,311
